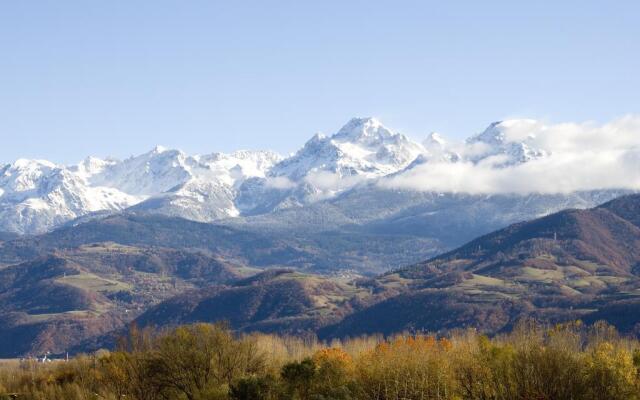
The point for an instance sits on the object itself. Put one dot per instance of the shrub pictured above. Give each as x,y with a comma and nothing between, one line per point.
203,361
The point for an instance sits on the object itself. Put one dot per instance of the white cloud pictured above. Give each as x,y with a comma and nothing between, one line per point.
279,182
330,181
329,184
579,157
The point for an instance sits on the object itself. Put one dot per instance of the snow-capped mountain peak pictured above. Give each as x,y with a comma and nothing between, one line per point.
434,140
363,129
159,149
507,142
200,187
24,175
362,147
145,175
25,163
437,148
91,166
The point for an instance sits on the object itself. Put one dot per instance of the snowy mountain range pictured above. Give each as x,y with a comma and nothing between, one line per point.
37,195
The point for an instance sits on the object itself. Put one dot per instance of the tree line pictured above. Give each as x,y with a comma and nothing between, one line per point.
209,361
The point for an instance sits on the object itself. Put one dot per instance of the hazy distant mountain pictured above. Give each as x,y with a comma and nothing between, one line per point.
572,264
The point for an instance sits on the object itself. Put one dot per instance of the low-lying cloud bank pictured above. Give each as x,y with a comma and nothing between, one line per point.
575,157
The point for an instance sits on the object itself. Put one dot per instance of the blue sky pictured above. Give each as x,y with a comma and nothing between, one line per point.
117,77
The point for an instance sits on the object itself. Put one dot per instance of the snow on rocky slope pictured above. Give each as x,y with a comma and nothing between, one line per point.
361,150
36,196
363,147
201,188
506,143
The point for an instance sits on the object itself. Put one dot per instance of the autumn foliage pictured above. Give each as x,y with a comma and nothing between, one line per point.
202,361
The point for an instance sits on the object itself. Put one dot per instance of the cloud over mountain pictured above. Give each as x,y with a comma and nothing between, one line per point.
526,156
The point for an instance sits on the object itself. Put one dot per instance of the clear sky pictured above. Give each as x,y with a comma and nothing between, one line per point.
117,77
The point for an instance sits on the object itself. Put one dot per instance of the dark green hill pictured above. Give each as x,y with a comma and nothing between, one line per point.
317,252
